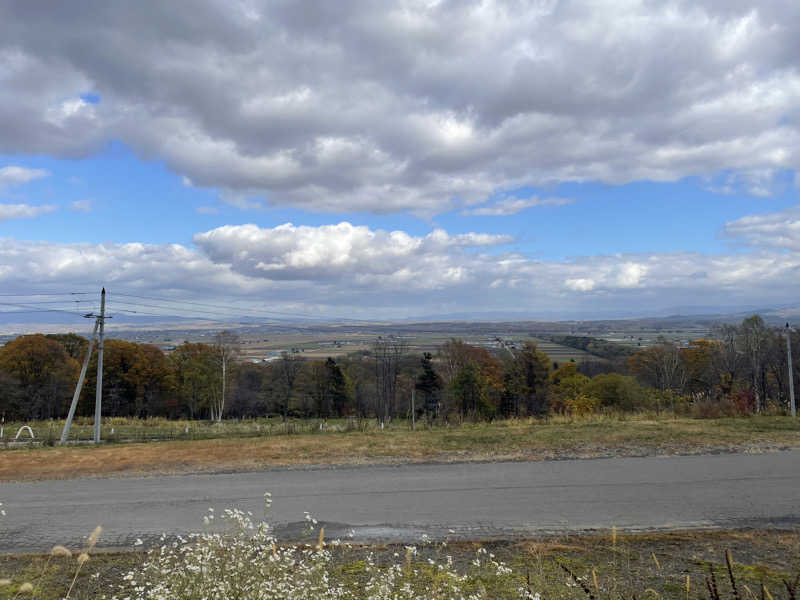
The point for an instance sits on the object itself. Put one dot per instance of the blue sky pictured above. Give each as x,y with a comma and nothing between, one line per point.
130,199
553,159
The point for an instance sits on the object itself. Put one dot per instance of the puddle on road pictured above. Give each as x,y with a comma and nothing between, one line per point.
298,531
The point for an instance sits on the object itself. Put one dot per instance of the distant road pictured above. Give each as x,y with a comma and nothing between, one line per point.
401,503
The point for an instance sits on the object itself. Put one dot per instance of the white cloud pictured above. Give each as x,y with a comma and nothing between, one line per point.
631,274
81,205
755,182
379,107
344,270
512,206
342,251
773,230
23,211
11,175
579,284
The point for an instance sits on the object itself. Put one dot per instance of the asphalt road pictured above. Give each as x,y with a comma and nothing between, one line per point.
401,503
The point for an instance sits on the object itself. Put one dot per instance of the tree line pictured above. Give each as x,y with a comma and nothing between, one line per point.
739,369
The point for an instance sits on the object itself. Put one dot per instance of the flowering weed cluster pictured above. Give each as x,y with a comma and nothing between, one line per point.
247,563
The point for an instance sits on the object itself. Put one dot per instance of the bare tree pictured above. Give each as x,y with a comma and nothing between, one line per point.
754,339
727,360
453,356
661,366
226,343
387,351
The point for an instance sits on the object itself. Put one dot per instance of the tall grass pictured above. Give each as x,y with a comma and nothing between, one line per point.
123,429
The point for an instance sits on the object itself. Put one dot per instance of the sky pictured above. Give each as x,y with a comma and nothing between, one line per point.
561,159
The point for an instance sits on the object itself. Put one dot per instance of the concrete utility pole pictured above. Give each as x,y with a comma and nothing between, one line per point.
413,409
98,399
79,387
791,373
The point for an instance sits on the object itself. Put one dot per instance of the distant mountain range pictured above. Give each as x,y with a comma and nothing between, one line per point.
24,322
712,313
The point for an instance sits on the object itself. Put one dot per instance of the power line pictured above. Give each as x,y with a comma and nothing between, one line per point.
147,314
49,294
261,320
193,310
183,305
126,303
206,304
221,312
41,310
34,307
69,312
55,301
247,311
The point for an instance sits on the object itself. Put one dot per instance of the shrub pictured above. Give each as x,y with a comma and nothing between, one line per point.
618,391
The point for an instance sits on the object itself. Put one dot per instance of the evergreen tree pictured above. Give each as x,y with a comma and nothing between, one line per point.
430,385
336,387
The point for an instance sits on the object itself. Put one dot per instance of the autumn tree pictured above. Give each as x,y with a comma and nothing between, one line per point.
453,356
701,377
119,389
568,388
456,356
728,360
197,378
138,380
360,381
45,373
153,381
75,345
660,366
529,377
469,390
621,392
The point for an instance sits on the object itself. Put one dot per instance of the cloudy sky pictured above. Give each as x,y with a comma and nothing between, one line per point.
392,159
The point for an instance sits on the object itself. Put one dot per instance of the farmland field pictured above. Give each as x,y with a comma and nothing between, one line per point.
319,346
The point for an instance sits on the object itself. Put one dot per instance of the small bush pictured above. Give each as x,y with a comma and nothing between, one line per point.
713,409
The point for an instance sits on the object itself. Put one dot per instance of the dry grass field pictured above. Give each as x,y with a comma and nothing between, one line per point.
281,446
